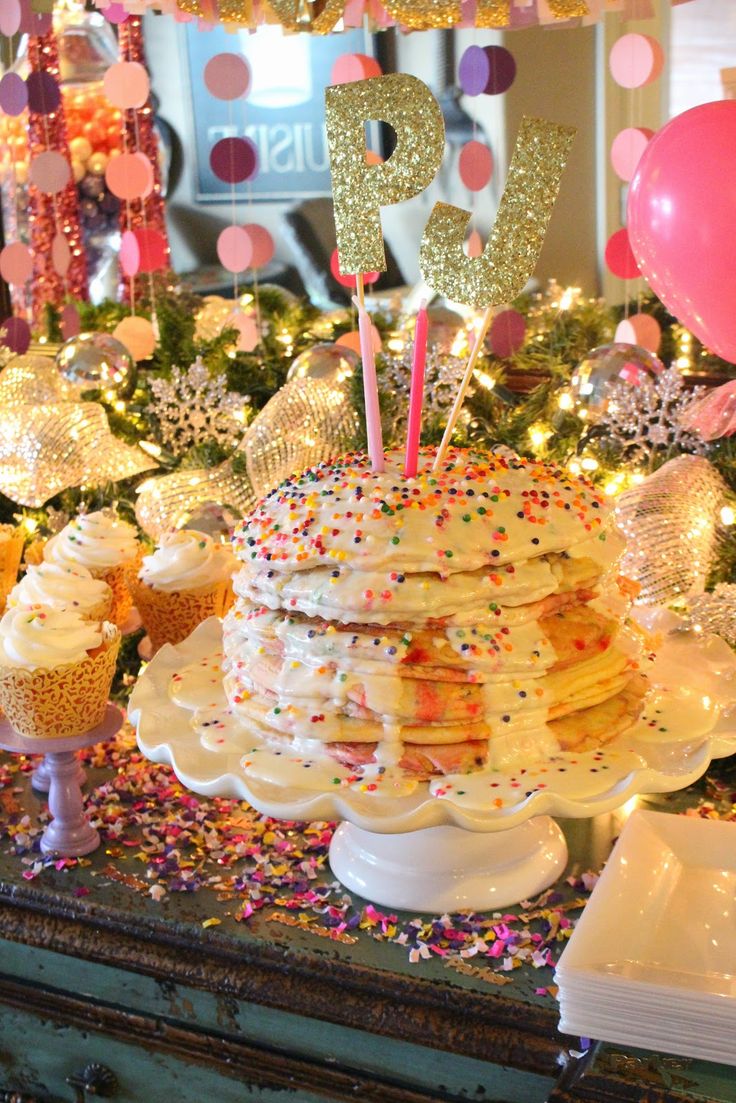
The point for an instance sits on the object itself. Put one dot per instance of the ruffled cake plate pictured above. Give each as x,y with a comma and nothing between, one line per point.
484,840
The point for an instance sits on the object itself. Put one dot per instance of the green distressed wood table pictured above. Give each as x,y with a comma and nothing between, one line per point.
261,1011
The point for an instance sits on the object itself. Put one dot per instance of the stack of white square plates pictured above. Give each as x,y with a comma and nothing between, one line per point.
652,960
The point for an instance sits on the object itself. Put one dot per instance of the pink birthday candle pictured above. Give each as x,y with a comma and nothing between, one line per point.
416,395
370,389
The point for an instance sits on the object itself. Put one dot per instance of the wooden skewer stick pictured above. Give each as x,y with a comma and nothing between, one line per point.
360,288
458,404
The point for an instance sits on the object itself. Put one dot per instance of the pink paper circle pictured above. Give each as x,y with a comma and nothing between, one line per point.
137,335
129,176
640,329
61,254
15,334
44,94
636,60
10,17
261,244
13,94
50,172
33,22
475,165
248,335
349,281
352,340
152,249
227,76
115,13
507,333
16,263
70,323
130,254
234,160
126,84
473,244
627,148
350,67
235,248
620,260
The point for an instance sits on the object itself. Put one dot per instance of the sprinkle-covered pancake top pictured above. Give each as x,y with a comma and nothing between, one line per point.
479,508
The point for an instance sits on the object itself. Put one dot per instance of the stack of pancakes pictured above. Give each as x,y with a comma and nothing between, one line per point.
464,618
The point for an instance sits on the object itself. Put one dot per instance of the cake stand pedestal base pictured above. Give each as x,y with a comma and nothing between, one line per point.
69,834
448,869
40,779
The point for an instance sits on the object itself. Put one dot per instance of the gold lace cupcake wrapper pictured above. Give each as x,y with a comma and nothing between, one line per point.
117,580
10,556
171,617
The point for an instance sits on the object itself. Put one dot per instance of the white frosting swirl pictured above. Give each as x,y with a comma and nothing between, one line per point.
186,560
59,587
41,638
96,540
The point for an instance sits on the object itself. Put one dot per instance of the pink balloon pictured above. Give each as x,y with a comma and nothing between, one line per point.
619,258
70,324
61,254
262,243
682,221
227,76
16,263
129,176
130,254
350,67
475,165
636,60
10,17
235,248
126,84
627,148
50,172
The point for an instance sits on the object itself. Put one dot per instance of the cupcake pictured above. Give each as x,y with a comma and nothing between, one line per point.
107,546
186,580
11,549
58,587
55,671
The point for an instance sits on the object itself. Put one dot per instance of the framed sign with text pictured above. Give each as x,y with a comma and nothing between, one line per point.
283,113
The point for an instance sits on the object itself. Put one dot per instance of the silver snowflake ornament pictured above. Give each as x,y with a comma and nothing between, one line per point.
641,418
194,407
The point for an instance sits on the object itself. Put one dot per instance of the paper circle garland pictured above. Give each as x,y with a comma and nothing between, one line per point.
234,160
44,94
349,281
151,249
129,176
350,67
129,254
627,148
351,340
61,254
507,333
137,335
640,329
235,248
620,260
15,334
486,69
50,172
33,22
13,93
473,244
16,263
115,13
10,15
70,323
126,84
227,76
245,324
636,60
475,165
261,244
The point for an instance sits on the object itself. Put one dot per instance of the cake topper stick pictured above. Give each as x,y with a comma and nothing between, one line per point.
416,396
499,274
370,389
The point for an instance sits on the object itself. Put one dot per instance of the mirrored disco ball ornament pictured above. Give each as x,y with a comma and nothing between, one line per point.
615,363
331,363
96,361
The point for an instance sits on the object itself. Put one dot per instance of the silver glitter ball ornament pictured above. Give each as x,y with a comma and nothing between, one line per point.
331,363
615,363
96,362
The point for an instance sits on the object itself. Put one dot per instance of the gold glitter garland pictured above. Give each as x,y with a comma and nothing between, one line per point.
319,17
512,251
493,13
422,15
359,189
568,9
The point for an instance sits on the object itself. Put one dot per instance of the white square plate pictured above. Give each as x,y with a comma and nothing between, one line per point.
661,923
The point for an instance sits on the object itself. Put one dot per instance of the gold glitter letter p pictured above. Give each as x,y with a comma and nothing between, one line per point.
512,250
360,189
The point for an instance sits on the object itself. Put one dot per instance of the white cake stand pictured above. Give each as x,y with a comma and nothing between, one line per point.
440,852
